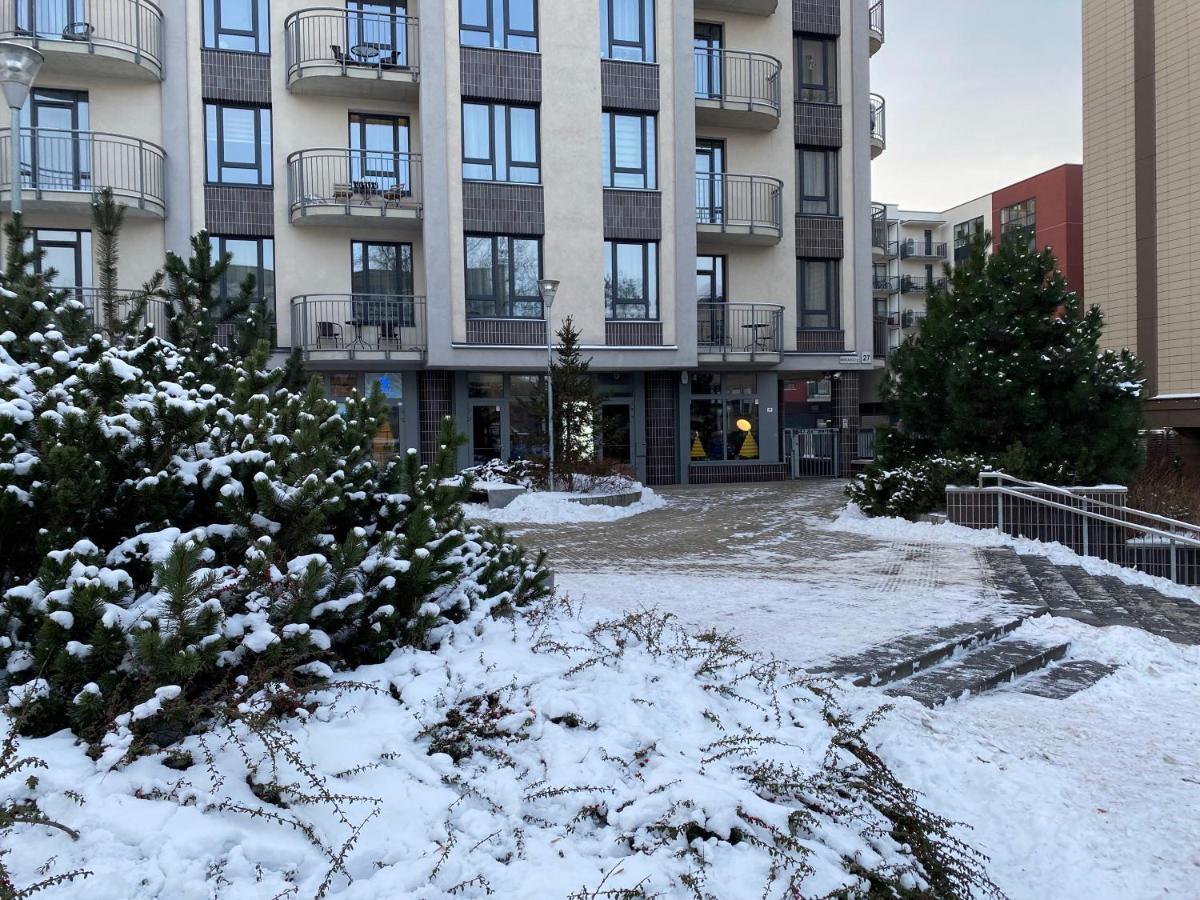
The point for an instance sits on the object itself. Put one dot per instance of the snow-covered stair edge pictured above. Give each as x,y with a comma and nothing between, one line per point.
853,521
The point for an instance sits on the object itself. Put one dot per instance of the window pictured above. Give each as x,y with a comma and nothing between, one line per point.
380,158
710,279
1019,222
381,277
816,69
377,32
627,30
249,256
500,143
236,25
963,233
58,160
238,144
630,280
724,417
629,152
47,18
710,182
817,292
817,177
502,277
503,24
68,253
390,385
706,42
504,419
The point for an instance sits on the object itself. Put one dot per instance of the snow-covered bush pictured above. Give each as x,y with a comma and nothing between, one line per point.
911,491
177,525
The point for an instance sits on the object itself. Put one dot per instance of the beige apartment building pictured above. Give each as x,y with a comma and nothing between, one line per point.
399,176
1141,147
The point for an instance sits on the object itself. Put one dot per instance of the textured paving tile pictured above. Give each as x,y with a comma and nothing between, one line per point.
1064,679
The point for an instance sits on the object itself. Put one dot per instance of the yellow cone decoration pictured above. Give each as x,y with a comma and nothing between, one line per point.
749,447
697,447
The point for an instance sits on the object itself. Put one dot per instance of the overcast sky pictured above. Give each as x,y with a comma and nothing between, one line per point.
980,94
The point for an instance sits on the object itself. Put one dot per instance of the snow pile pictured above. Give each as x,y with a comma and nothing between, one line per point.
545,756
556,508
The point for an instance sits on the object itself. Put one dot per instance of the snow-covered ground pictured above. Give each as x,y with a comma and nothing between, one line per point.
557,507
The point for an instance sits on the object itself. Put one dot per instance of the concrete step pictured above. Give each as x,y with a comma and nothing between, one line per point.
980,669
895,660
1063,679
1059,594
1010,576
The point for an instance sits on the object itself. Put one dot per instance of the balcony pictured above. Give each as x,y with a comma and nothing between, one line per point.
365,327
740,333
61,170
875,33
912,318
748,7
915,284
515,331
738,210
737,89
880,337
914,249
347,53
355,188
885,284
103,38
878,126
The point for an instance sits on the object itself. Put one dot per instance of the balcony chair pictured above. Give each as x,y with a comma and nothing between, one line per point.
78,31
329,331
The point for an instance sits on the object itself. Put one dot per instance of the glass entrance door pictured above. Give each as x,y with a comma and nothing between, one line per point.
708,40
710,186
379,163
377,33
615,444
710,300
55,145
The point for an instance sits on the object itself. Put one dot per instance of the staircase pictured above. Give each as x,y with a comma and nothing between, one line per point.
971,658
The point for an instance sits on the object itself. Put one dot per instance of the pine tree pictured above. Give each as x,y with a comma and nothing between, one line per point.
1008,366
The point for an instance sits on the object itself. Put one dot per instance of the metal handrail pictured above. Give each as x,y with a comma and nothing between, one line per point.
740,201
875,17
738,77
360,323
132,26
359,180
739,328
878,118
56,159
326,37
912,247
1091,501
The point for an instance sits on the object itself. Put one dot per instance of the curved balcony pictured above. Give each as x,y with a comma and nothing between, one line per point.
355,188
875,34
878,126
739,333
106,38
365,327
61,170
349,53
738,209
737,89
749,7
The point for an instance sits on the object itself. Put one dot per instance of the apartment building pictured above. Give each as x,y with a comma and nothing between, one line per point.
399,176
1139,192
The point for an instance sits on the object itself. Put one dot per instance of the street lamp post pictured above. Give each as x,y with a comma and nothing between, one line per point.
19,66
548,288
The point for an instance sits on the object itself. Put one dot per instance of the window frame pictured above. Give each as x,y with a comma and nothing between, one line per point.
832,309
645,45
825,91
260,32
263,163
649,300
225,289
832,172
496,108
81,246
728,400
1023,221
503,37
509,298
648,142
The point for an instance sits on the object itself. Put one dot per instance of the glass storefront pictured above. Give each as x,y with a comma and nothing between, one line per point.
724,418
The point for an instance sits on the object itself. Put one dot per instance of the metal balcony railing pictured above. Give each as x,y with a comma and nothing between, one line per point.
878,119
134,27
738,78
889,284
880,337
85,161
918,284
109,311
753,202
875,18
912,318
351,39
361,181
914,249
739,328
360,323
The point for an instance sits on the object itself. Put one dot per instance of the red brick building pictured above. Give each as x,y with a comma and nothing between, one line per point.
1051,204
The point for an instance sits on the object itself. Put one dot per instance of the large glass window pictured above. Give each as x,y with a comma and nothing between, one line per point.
380,161
377,31
629,154
500,143
57,159
381,277
68,253
238,144
627,30
502,276
236,25
817,290
503,24
724,418
817,177
630,280
963,233
390,386
816,68
1019,222
248,257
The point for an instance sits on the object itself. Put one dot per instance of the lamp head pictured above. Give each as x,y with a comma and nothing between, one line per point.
548,287
19,66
